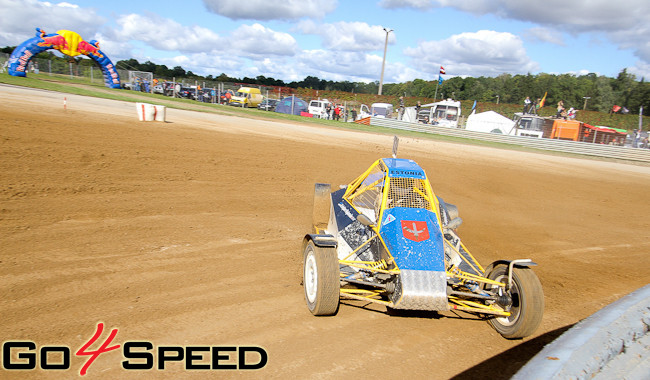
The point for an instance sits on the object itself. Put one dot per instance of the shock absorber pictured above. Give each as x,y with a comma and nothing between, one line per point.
381,264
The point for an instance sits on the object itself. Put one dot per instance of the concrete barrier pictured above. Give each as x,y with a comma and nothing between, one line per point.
613,343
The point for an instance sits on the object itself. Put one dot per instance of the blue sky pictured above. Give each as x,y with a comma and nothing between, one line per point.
344,40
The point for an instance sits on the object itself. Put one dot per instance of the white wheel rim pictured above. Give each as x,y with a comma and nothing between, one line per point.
311,277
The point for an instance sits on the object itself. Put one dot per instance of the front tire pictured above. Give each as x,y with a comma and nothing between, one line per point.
526,306
321,280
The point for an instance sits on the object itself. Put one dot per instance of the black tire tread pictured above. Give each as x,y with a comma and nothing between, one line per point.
533,303
327,297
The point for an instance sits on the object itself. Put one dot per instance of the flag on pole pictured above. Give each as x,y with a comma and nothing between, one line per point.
442,70
439,79
474,106
541,103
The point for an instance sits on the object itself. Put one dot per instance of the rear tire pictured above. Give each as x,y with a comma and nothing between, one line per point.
527,302
321,279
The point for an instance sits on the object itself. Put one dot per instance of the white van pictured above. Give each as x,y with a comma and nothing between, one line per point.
381,110
445,113
318,108
530,125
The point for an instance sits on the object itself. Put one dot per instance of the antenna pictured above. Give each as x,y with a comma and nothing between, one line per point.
395,144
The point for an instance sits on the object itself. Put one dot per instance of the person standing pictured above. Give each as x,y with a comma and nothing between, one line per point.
401,108
527,104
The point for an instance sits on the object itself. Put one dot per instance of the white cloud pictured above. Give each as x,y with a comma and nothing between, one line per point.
247,40
624,23
640,70
416,4
485,52
172,37
48,16
286,10
576,16
540,34
340,65
256,40
117,50
348,36
205,63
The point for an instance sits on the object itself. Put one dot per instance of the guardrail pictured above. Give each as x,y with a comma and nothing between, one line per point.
575,147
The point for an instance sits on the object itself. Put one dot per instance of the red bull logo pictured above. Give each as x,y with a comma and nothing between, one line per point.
88,49
56,42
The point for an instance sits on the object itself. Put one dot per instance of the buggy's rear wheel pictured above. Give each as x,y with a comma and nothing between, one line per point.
524,301
321,280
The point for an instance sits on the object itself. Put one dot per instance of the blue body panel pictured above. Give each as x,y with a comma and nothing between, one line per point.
403,168
420,252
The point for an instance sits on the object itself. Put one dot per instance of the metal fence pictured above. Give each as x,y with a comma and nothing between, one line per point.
93,74
575,147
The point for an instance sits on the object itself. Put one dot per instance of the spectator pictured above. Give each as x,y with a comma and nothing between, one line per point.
527,104
560,109
571,114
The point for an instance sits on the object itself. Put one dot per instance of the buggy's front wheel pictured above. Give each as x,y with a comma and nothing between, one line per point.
321,280
524,300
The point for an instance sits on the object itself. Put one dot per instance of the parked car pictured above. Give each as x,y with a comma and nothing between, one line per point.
268,104
318,108
187,93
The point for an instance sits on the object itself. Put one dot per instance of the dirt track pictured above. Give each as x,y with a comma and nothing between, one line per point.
187,233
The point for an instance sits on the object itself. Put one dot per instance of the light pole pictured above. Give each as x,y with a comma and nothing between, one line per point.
383,63
584,107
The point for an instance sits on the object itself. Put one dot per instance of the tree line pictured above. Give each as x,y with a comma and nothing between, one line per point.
590,91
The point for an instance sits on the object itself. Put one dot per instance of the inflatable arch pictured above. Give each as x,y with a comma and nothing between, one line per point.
67,42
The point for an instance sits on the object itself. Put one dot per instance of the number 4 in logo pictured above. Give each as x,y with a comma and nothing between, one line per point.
102,349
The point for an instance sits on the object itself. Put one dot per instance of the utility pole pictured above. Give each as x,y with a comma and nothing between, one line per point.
383,63
584,107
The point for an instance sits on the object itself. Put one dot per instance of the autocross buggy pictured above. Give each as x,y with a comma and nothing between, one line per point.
387,238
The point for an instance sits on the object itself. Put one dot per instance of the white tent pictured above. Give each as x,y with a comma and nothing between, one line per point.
489,121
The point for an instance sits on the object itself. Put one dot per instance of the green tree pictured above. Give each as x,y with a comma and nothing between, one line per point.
605,97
